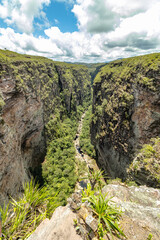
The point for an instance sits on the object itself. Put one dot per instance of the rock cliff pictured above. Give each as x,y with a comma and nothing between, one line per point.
126,110
31,90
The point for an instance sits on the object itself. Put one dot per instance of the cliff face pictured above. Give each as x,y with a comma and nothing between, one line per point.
31,90
126,110
22,143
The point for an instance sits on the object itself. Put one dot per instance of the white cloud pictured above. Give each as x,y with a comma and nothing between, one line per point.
108,29
56,21
66,1
140,31
22,12
106,15
24,43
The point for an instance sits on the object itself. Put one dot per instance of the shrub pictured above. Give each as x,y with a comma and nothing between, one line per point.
106,213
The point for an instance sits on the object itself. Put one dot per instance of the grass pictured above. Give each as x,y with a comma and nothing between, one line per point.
96,179
21,217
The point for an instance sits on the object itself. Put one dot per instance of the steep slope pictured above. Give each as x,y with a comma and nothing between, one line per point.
126,110
32,89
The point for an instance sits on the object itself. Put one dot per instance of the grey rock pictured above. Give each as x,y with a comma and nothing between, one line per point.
59,227
141,209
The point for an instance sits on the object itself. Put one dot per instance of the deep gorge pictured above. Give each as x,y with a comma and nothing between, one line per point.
39,98
37,95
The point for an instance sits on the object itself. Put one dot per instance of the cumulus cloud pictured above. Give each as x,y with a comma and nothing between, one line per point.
108,29
24,43
105,15
76,44
22,12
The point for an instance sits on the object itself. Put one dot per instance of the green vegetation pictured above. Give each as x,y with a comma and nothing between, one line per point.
64,91
85,137
106,214
113,95
148,160
59,166
135,69
103,208
2,103
59,85
20,218
96,179
94,68
81,169
150,237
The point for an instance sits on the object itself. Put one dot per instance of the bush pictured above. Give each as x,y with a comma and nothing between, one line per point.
106,213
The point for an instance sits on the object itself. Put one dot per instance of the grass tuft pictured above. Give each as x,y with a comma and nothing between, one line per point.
21,217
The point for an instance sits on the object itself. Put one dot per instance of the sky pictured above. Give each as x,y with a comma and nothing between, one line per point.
80,30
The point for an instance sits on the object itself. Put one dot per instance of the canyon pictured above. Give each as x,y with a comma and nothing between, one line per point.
32,90
35,92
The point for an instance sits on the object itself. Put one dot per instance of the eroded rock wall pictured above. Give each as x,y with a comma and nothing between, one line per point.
22,142
32,89
126,111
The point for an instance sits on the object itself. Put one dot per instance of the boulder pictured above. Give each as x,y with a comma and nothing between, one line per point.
140,207
59,227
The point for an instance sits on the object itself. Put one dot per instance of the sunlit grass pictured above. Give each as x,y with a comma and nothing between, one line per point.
21,217
106,213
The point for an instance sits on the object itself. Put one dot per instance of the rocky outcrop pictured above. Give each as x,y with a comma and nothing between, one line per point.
32,89
141,209
22,141
139,219
126,111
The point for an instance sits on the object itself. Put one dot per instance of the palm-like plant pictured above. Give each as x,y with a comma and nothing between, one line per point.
106,213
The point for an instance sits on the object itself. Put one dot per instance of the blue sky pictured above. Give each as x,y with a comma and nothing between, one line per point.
60,15
80,30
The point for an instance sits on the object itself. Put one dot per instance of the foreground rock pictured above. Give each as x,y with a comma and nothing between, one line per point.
141,210
140,216
59,227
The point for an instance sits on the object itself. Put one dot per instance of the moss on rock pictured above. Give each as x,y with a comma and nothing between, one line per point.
145,168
